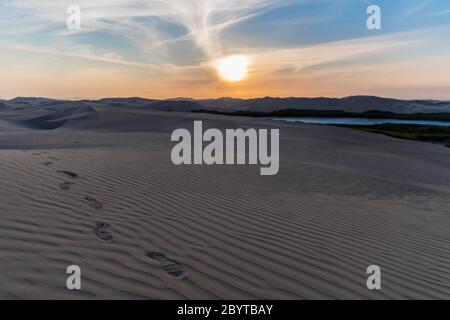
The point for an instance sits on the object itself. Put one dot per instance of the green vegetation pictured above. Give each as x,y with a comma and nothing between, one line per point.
434,134
334,114
410,132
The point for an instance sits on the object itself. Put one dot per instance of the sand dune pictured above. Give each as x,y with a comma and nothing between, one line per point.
95,187
57,118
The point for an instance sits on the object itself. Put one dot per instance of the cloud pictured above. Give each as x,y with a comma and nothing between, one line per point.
314,56
440,13
168,47
418,7
201,20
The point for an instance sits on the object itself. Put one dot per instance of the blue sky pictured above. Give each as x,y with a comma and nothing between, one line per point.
168,48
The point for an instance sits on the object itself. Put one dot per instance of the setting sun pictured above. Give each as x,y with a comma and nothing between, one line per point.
233,68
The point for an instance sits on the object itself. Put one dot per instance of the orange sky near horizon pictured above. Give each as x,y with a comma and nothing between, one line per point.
167,49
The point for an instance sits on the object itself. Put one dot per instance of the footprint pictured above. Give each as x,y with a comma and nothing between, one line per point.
93,203
53,158
103,231
48,163
156,257
66,185
172,267
175,269
70,174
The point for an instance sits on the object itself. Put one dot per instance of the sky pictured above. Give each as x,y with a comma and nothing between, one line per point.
171,48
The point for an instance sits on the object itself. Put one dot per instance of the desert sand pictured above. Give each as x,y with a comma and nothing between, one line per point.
95,187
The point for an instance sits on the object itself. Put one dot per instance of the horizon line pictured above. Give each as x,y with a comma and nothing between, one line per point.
226,97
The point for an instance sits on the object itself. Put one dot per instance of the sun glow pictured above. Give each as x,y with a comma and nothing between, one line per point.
233,68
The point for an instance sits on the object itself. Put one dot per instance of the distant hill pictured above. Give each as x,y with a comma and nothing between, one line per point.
117,102
35,101
174,105
354,104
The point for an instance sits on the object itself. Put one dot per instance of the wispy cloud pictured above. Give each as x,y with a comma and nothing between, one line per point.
416,8
441,13
171,45
202,20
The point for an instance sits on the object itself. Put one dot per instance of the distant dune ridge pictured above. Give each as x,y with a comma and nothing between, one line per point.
267,104
91,184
